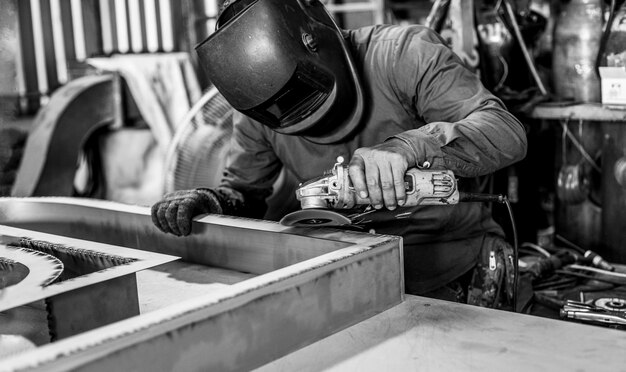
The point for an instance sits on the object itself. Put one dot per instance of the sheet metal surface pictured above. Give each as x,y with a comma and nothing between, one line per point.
306,285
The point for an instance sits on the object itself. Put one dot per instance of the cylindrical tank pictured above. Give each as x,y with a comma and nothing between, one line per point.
577,35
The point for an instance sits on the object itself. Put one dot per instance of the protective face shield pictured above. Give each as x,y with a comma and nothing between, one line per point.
285,64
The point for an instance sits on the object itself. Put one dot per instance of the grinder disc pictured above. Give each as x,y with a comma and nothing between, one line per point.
314,218
612,304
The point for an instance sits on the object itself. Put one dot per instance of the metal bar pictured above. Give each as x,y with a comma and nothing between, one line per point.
120,25
144,30
19,68
106,26
30,100
134,17
40,53
79,30
59,44
165,12
152,32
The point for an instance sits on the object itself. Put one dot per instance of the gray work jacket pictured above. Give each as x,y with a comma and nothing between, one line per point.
416,89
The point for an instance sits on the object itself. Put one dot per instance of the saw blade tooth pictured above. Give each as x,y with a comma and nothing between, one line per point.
43,268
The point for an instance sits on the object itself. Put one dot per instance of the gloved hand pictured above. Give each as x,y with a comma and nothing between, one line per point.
173,214
377,172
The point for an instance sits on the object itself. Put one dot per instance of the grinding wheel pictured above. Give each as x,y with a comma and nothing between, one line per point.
315,218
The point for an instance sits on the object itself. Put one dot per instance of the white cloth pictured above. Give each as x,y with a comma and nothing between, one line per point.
164,86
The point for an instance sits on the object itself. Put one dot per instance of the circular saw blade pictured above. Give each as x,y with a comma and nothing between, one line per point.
39,269
314,218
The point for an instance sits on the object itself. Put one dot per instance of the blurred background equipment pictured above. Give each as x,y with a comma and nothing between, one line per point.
197,154
199,147
80,109
577,36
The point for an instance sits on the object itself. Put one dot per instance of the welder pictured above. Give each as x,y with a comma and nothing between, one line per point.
386,97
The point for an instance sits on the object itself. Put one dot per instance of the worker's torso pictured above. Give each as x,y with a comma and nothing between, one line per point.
388,112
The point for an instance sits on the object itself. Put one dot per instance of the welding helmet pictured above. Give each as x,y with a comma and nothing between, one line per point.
285,64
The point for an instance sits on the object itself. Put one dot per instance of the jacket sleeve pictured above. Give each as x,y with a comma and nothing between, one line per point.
468,130
251,169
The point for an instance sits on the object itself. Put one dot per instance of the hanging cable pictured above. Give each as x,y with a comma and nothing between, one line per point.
515,252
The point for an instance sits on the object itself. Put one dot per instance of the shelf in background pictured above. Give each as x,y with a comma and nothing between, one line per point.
584,111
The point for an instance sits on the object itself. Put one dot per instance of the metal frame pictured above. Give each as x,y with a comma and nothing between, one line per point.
310,283
137,260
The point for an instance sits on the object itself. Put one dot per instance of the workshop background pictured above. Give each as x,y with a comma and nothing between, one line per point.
105,99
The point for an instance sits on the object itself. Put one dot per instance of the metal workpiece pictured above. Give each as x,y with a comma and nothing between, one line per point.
59,287
84,263
302,285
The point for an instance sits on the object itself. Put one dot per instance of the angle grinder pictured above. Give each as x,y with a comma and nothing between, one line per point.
321,198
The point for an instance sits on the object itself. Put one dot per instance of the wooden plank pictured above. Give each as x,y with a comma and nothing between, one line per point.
423,334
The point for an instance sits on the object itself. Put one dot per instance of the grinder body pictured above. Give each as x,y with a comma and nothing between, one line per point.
335,190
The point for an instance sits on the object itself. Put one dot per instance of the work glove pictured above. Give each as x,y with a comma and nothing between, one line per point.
173,214
377,172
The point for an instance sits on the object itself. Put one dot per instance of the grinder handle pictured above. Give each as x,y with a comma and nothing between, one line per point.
424,187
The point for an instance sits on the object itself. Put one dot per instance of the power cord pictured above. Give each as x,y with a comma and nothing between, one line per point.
506,201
